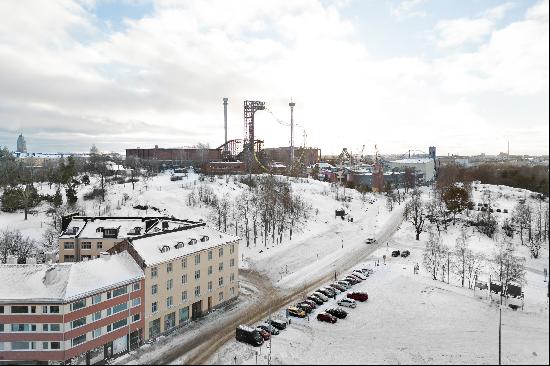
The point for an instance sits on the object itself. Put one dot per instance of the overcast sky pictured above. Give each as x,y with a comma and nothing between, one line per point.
463,75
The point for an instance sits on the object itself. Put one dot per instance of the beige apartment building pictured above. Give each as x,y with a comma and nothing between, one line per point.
188,270
86,237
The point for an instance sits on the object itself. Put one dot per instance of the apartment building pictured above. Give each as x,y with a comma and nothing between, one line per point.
86,237
188,272
57,312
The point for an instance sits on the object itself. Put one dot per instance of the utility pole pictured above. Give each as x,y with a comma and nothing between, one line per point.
225,121
291,105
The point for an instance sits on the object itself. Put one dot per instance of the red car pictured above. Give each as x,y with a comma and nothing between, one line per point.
359,296
264,333
311,303
325,317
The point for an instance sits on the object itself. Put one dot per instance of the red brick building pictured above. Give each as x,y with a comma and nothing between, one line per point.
175,155
93,309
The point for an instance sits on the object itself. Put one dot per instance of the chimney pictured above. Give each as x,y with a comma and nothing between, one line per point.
105,255
12,259
49,276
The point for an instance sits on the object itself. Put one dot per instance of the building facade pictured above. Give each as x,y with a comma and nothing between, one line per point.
426,166
188,272
92,309
176,155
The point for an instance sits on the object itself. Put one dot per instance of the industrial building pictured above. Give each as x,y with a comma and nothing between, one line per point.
425,166
176,155
305,156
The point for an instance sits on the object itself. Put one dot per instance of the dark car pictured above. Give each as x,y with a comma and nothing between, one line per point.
353,280
337,312
265,334
315,299
356,276
311,303
405,253
359,296
338,287
325,317
327,292
279,324
249,335
269,328
305,307
395,253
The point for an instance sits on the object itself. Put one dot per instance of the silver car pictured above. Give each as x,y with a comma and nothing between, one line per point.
349,303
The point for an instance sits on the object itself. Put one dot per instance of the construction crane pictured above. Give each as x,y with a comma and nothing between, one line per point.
362,150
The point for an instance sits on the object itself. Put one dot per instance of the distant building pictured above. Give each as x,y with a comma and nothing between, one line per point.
176,155
21,144
224,167
426,166
307,156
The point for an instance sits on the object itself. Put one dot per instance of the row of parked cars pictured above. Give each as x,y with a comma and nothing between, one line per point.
324,294
397,253
262,332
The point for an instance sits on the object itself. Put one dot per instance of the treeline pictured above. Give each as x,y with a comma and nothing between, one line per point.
533,178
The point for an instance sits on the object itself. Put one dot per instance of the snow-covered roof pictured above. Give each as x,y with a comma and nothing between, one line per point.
413,161
65,282
89,227
150,247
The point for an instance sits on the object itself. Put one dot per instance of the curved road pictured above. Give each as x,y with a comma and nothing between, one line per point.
198,350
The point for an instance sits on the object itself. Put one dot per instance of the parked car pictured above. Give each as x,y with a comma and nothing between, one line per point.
359,274
327,292
359,296
356,276
265,334
321,296
305,307
395,253
337,312
310,303
294,311
249,335
353,280
349,303
405,253
344,284
269,328
279,324
370,241
317,300
337,287
326,317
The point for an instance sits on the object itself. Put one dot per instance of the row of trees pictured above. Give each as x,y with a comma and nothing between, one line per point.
266,209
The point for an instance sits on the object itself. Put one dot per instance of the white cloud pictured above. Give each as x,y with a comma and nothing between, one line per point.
408,9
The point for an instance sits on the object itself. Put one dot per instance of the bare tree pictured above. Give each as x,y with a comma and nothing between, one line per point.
508,267
461,253
522,218
415,213
433,255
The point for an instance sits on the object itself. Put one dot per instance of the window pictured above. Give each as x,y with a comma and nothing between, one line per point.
197,274
184,263
232,291
109,295
169,267
19,309
44,310
96,299
55,328
16,346
96,316
209,270
232,277
45,345
154,307
68,245
169,321
1,310
184,314
96,333
197,259
78,322
79,304
120,307
154,272
78,340
232,249
184,279
169,302
209,286
169,284
209,255
136,317
45,327
54,309
154,289
69,258
220,281
120,291
220,266
136,286
23,327
86,245
220,252
120,324
220,296
154,328
33,309
184,296
232,262
55,345
99,245
136,302
197,291
1,327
